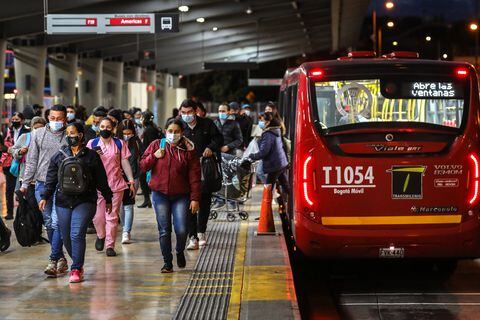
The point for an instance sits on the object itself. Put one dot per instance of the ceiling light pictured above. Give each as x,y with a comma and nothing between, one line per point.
395,43
214,29
183,8
389,5
445,56
473,26
249,11
428,38
390,24
201,20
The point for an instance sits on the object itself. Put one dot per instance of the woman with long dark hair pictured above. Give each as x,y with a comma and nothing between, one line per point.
126,132
74,211
175,185
10,136
150,133
114,154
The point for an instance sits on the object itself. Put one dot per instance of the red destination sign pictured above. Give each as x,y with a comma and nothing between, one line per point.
129,22
91,22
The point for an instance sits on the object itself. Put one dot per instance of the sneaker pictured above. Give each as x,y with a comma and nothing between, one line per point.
126,238
76,276
181,262
202,239
167,268
111,252
192,244
99,244
51,269
62,266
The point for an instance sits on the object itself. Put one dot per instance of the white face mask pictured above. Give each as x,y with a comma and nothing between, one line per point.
173,137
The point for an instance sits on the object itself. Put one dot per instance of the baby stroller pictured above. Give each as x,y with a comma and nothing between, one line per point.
237,182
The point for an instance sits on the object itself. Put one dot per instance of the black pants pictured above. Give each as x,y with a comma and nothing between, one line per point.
198,222
11,181
144,186
278,178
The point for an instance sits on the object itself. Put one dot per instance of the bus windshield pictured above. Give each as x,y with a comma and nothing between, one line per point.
349,102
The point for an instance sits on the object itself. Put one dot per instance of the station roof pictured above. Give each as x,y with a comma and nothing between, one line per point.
273,29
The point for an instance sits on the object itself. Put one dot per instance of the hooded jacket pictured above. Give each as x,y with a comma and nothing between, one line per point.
177,173
271,151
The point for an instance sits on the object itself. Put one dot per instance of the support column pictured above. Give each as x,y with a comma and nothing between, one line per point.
90,83
3,47
29,63
152,89
112,84
133,74
63,74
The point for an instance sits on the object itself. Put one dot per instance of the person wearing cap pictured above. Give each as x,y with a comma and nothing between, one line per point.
232,135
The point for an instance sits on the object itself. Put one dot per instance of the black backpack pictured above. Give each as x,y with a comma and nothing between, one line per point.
211,174
5,234
72,177
27,224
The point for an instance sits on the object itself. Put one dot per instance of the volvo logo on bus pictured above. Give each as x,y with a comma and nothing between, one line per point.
389,137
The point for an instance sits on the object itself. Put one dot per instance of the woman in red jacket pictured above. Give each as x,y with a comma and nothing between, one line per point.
175,184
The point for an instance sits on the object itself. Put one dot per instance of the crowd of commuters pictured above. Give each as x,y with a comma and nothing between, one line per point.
85,173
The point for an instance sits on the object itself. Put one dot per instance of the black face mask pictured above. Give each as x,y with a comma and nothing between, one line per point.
105,134
73,141
16,124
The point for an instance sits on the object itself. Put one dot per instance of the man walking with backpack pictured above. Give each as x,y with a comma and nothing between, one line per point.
45,142
207,140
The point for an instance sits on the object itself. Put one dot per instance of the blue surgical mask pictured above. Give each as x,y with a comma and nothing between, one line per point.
138,121
173,137
70,116
247,113
223,116
127,137
188,118
95,128
262,125
56,126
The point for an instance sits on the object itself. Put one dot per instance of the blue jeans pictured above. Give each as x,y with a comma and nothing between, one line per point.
165,207
126,215
51,223
73,225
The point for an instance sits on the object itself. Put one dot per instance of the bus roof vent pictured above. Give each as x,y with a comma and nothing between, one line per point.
401,55
358,55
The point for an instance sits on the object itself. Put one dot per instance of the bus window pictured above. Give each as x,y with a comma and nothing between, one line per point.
349,102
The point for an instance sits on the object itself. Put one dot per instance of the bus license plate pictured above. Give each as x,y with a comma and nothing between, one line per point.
391,253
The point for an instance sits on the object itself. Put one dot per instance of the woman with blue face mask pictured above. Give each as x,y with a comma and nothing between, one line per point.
273,156
126,132
176,188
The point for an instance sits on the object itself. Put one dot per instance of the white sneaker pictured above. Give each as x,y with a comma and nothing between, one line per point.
202,239
192,244
126,238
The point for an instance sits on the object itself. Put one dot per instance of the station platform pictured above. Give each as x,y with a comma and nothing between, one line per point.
238,275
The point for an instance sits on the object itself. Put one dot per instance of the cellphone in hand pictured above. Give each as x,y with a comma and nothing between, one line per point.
98,149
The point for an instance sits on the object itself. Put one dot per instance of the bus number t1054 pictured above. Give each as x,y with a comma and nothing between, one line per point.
348,175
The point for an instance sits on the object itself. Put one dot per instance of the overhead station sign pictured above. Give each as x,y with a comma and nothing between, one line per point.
111,23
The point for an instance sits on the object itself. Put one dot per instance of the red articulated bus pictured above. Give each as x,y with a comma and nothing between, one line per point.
385,157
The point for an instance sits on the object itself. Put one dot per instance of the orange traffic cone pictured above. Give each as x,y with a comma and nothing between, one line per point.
266,225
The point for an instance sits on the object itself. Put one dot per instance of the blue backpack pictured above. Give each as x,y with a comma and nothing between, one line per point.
15,166
117,142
